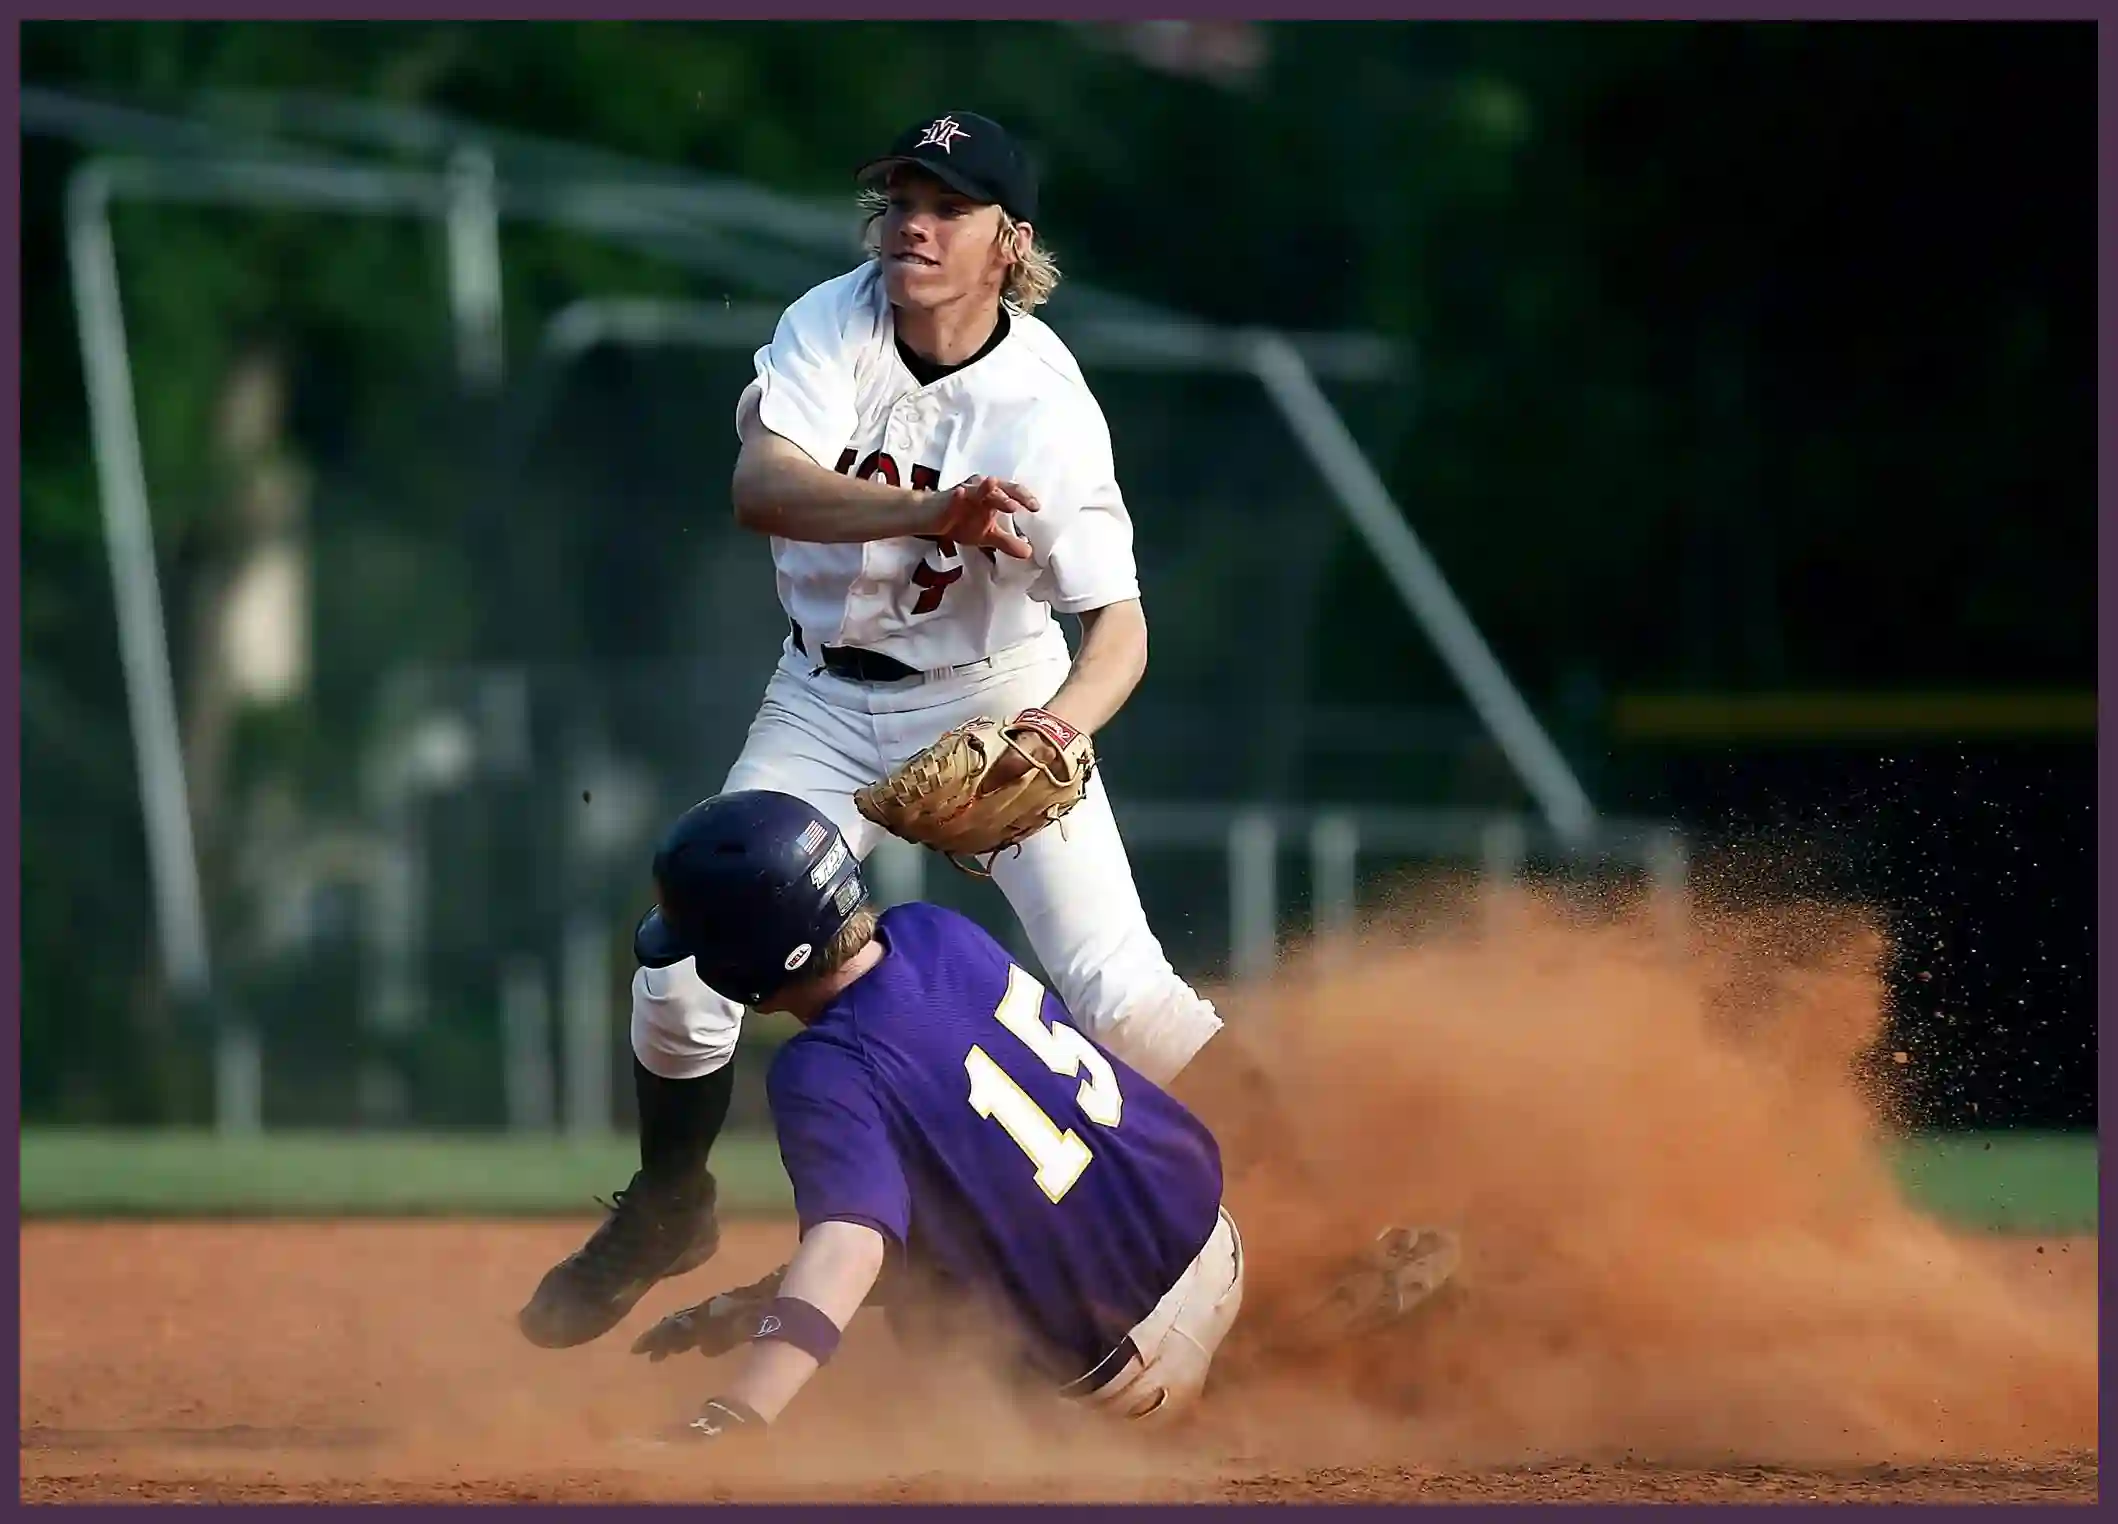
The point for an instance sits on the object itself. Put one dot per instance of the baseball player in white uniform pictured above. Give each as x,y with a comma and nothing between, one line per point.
937,482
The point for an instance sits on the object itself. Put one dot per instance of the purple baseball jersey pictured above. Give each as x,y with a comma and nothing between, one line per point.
948,1101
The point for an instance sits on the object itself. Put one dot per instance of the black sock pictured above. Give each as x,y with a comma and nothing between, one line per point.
679,1119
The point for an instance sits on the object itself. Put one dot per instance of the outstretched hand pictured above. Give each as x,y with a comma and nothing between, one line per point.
713,1327
976,513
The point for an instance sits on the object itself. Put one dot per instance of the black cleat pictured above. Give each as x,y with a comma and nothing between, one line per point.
653,1231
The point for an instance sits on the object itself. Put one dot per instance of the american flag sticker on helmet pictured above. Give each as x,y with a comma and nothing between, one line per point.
812,838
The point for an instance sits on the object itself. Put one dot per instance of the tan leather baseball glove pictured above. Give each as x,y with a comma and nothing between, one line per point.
949,798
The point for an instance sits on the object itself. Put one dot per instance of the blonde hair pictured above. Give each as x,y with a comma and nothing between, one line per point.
1031,277
852,937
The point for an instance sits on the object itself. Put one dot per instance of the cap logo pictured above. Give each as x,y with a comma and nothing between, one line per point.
942,133
797,958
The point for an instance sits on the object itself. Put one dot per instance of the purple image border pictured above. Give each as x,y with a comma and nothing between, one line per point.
1483,10
11,699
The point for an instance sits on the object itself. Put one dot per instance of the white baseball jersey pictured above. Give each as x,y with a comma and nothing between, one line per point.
832,382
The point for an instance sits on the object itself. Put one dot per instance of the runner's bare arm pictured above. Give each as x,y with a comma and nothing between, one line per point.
833,1271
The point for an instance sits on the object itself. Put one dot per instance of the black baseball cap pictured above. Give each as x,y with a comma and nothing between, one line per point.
969,153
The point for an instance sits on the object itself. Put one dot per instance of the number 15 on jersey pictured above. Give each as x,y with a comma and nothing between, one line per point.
1059,1155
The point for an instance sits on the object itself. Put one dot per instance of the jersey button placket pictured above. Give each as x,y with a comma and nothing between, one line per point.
898,443
893,443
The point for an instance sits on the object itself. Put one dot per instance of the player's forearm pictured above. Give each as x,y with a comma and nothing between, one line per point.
835,1268
833,1271
1107,668
784,493
770,1377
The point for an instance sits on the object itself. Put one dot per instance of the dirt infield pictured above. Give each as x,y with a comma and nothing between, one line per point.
376,1362
1689,1273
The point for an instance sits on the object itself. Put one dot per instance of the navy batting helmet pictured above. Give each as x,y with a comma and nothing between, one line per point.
752,886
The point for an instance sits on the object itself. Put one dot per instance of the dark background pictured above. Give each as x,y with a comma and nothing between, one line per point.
1751,359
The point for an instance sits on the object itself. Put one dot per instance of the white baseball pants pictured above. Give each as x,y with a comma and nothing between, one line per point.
821,738
1178,1340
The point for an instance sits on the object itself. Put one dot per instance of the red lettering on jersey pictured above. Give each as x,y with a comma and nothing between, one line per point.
932,583
950,548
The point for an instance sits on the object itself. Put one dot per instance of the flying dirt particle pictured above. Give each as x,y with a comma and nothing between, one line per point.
1901,1057
584,796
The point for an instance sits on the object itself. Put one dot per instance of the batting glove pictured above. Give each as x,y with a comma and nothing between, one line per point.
714,1327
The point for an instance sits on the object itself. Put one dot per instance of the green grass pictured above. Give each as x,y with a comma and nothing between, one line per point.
2008,1182
96,1173
2005,1182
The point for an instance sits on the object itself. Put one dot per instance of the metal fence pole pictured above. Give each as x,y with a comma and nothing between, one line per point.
150,688
525,1044
1334,850
584,971
1503,848
473,224
1669,877
1287,379
1253,893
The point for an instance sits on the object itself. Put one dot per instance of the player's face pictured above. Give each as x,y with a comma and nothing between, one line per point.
938,246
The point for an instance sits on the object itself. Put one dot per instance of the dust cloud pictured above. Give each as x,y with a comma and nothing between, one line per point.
1663,1133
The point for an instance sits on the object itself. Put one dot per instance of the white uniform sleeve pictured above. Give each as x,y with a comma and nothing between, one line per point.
1082,533
805,384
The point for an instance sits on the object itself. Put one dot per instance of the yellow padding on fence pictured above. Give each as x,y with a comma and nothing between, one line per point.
1851,716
